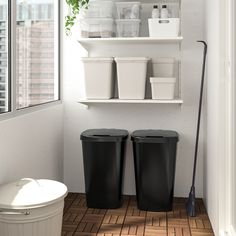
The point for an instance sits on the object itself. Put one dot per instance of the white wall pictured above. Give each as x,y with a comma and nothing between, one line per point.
219,170
32,145
211,168
132,117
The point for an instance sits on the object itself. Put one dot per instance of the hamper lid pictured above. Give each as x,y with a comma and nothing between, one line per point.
132,59
154,135
104,135
29,193
97,59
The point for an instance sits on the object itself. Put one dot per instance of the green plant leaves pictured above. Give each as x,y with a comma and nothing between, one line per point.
75,7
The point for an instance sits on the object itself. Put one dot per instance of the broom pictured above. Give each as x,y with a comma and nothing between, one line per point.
191,202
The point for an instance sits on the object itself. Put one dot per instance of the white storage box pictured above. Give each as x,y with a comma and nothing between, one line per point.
96,28
163,67
127,28
163,88
99,9
131,77
98,76
32,208
168,27
128,10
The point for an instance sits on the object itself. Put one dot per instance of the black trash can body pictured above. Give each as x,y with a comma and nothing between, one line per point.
155,160
103,156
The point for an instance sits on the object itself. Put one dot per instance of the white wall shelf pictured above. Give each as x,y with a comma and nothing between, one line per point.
95,46
138,40
159,1
122,101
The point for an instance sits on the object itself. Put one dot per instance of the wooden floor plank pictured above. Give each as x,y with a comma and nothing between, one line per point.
109,228
177,219
155,230
78,220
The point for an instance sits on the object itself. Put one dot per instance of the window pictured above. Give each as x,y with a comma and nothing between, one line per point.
36,44
4,68
36,52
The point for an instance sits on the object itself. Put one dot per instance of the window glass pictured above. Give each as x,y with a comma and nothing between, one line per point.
4,79
36,52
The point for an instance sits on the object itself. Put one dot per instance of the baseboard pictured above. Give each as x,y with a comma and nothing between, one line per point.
230,232
224,233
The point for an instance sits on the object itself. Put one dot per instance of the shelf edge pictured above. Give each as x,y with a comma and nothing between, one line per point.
116,101
130,40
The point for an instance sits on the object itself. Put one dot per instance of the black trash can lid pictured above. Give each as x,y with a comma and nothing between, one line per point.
154,135
101,135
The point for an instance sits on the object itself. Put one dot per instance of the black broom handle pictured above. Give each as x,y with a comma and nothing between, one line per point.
199,111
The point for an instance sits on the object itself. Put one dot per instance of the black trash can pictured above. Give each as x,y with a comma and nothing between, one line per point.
103,155
154,159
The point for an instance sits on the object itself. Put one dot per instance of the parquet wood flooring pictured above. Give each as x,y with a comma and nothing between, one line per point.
78,220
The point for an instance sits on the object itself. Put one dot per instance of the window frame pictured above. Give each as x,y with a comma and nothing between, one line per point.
12,107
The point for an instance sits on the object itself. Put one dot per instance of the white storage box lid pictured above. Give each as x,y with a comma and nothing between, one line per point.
162,80
97,59
31,193
96,20
127,3
132,59
128,21
100,2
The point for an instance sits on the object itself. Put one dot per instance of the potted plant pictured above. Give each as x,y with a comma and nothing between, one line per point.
75,7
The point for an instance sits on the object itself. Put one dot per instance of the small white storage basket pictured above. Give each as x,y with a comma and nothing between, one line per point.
128,10
131,77
96,28
168,27
98,9
98,77
163,88
32,208
163,67
127,28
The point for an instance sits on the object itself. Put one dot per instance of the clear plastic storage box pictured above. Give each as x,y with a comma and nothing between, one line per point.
127,28
96,28
128,10
99,9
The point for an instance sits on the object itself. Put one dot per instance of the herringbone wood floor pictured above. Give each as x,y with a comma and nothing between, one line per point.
79,220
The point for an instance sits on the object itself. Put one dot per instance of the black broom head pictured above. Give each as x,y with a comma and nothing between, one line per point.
191,203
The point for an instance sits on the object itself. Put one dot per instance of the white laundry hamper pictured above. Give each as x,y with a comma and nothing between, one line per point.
31,207
98,77
131,76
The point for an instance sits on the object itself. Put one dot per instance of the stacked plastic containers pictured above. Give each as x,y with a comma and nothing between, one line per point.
128,19
163,81
96,21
